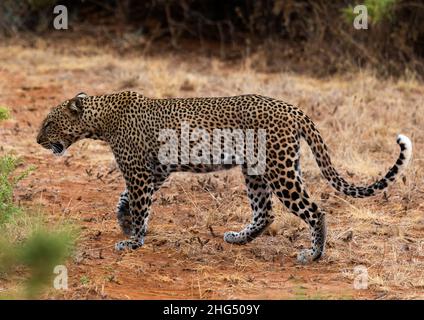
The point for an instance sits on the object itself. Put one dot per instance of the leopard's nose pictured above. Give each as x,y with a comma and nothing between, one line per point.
39,139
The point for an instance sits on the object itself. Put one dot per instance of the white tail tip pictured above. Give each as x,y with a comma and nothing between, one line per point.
406,142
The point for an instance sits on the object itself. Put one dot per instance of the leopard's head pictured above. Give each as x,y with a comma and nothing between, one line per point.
63,125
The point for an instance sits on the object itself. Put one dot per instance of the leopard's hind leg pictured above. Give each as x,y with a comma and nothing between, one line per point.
260,197
286,182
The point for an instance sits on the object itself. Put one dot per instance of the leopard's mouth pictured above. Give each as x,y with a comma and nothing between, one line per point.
57,148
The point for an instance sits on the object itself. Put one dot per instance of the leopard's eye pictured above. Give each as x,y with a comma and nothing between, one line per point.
47,124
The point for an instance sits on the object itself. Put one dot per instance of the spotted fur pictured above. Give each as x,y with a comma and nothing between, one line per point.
130,124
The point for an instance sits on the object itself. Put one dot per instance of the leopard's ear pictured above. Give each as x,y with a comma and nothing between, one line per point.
75,104
81,95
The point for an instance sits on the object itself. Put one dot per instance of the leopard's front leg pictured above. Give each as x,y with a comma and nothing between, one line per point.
123,213
140,188
123,206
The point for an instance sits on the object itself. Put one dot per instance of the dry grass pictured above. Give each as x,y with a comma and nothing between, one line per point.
184,256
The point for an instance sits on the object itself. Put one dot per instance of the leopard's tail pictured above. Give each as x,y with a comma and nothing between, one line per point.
312,136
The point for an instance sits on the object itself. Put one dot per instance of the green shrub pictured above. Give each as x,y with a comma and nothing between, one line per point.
4,113
41,252
8,165
28,243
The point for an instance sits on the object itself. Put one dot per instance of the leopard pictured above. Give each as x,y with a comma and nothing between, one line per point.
131,124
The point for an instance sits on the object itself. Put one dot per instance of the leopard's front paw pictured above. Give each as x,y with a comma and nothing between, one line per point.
128,244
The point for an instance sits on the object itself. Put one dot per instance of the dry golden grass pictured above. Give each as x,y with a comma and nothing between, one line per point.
184,257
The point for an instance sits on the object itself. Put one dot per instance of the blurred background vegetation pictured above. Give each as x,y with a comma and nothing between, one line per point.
315,36
30,247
